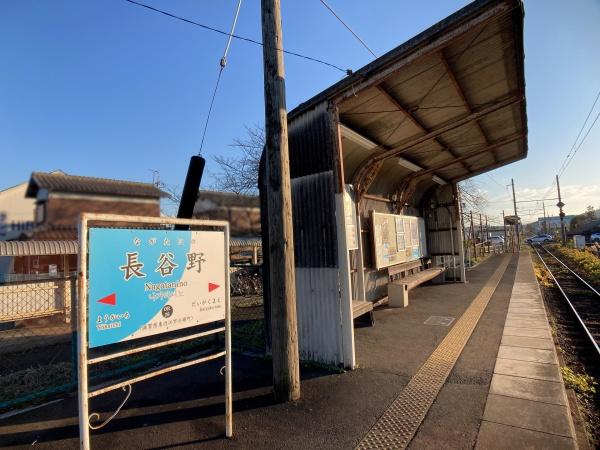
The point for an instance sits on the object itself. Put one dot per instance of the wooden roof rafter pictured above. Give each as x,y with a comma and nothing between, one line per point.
417,123
369,143
364,176
461,94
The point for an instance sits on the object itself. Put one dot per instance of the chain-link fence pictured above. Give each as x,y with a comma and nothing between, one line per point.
247,308
35,336
37,340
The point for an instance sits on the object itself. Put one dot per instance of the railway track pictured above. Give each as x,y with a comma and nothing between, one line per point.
581,299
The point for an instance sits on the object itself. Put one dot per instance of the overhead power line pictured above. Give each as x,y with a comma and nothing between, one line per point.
234,36
348,28
572,151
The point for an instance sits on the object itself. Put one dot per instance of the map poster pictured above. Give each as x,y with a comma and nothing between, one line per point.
147,282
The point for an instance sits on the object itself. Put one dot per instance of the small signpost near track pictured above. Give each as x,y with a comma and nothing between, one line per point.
149,279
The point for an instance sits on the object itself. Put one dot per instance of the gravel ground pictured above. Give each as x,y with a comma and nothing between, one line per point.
576,356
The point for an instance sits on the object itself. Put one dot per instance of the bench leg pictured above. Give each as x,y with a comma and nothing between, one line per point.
398,295
366,319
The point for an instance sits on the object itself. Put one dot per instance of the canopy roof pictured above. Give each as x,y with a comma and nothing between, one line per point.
445,106
29,248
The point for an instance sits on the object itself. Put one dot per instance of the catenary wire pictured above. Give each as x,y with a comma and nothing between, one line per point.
222,64
242,38
348,28
571,152
580,143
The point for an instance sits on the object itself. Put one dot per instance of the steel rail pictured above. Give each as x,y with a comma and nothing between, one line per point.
572,271
579,319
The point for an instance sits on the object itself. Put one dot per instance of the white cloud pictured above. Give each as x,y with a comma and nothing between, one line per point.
576,198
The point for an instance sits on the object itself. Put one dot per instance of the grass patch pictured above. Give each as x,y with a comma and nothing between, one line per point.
24,382
249,334
542,275
581,383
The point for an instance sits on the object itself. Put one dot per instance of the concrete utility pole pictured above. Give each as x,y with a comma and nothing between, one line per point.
284,324
545,221
560,204
516,215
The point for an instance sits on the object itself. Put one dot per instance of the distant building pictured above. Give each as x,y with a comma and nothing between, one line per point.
242,211
59,198
16,212
54,201
552,224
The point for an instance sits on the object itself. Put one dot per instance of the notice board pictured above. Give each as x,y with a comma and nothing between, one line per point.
397,238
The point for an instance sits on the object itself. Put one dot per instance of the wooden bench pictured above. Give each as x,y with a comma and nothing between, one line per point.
398,289
360,308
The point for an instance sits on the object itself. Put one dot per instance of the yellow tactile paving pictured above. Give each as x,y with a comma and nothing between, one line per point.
399,423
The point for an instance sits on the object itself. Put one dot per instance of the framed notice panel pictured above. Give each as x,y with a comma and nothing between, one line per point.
397,238
147,282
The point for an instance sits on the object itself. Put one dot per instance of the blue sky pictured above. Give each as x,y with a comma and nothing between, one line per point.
106,88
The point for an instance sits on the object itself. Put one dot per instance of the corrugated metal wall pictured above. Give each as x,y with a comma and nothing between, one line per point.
319,323
438,221
314,220
311,142
310,138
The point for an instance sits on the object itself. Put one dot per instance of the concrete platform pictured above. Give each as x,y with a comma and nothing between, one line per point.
527,405
185,410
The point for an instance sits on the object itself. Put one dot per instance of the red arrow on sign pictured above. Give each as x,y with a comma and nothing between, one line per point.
212,287
109,299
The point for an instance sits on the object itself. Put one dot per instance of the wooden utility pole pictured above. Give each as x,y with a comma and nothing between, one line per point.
284,324
481,235
504,245
545,221
487,232
560,204
473,237
516,215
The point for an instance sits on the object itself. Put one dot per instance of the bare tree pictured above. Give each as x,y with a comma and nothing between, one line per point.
239,174
472,196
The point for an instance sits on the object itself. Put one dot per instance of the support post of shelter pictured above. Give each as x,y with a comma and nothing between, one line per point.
360,262
461,234
343,252
345,284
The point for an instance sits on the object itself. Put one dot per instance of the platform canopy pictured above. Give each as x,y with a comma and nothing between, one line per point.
38,248
446,105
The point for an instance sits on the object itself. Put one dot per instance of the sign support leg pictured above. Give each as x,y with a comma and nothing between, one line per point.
228,389
82,372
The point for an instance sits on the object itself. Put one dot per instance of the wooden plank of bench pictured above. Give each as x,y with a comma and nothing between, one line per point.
412,281
359,308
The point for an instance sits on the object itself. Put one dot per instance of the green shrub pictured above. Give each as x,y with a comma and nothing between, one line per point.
583,262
